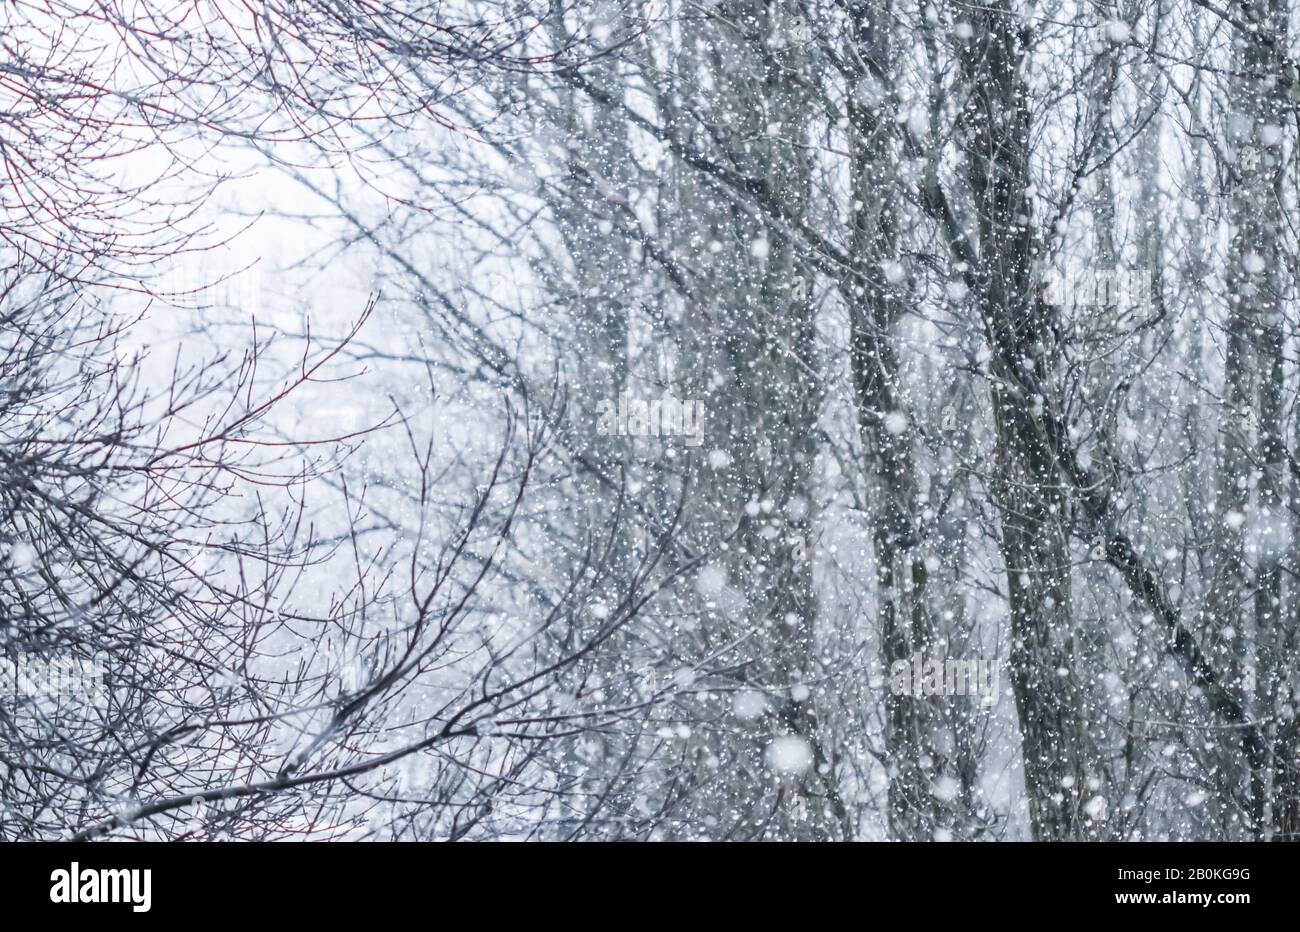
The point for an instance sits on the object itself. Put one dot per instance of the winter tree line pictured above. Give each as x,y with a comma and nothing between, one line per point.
646,413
